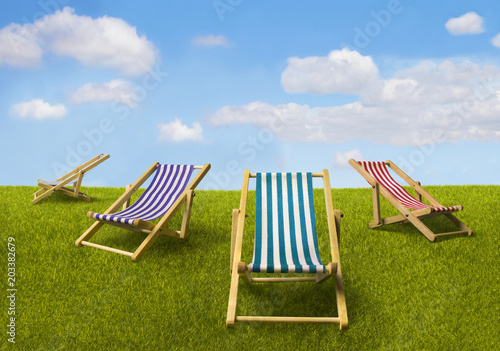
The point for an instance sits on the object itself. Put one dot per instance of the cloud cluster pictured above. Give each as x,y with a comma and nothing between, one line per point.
341,72
429,102
18,48
117,90
496,40
177,132
104,42
38,109
342,158
211,40
469,23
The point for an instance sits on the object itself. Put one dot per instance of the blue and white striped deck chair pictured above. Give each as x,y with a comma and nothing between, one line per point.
285,240
169,189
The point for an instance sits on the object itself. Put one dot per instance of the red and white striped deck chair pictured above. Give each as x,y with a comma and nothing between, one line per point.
169,189
412,209
73,179
285,241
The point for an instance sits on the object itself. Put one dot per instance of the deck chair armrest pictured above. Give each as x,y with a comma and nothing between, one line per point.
418,188
418,195
337,215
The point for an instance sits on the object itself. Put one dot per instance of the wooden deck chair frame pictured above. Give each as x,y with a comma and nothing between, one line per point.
153,230
74,177
413,216
240,269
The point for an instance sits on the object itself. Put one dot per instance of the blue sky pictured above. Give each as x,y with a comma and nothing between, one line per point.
263,85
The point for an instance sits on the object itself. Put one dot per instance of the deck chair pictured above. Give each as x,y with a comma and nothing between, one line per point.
169,189
285,241
411,209
73,178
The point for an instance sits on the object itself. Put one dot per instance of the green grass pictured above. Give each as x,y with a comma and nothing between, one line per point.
403,292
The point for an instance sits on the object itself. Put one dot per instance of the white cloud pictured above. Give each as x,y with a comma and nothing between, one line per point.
470,23
342,158
496,40
342,71
211,40
18,46
106,42
429,102
38,109
177,132
117,90
430,83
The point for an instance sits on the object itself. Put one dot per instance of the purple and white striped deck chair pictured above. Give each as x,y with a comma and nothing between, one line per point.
169,189
412,209
285,240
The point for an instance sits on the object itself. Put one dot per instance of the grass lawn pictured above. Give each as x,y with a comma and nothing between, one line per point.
403,292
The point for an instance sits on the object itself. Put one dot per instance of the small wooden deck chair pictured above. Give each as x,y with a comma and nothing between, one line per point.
73,178
412,209
168,190
285,241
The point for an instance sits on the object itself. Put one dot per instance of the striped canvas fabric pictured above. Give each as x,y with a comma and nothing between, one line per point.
380,172
56,182
168,184
285,227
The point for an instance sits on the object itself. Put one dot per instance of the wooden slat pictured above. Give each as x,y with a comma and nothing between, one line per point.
453,233
283,279
107,248
288,319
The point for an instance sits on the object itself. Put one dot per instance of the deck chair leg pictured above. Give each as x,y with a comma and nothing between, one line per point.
36,194
421,226
340,295
76,187
377,220
146,244
339,285
461,225
187,214
42,196
89,233
233,295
